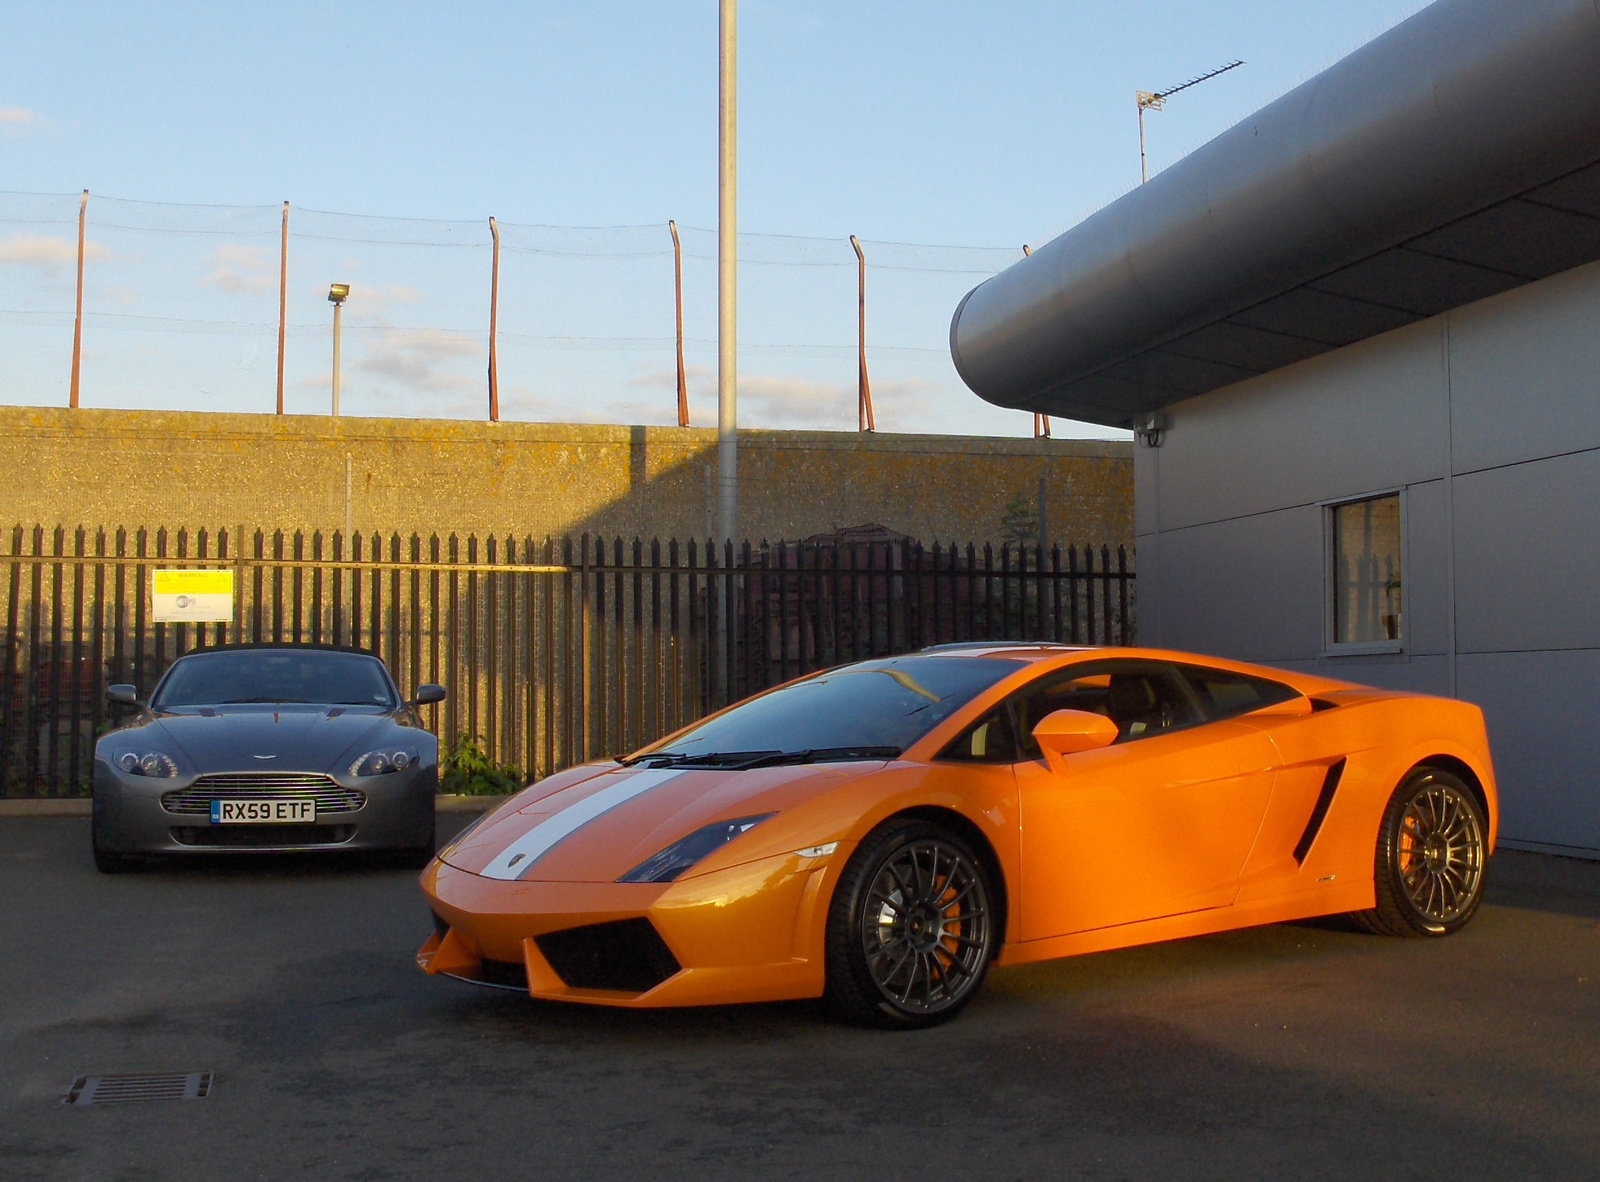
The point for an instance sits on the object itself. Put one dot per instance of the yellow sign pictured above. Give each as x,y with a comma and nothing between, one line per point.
192,597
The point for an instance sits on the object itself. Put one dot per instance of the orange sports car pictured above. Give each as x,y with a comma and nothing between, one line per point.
879,834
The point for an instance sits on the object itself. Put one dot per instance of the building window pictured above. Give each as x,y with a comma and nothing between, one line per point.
1364,553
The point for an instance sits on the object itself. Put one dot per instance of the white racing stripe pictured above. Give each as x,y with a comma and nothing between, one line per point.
518,858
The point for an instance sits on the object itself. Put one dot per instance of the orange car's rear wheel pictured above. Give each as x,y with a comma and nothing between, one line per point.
1428,872
911,928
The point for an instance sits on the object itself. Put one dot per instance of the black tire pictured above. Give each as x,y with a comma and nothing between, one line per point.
906,963
1430,860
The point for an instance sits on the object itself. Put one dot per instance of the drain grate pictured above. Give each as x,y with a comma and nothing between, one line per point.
135,1089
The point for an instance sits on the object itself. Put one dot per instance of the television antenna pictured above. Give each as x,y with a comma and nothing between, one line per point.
1157,101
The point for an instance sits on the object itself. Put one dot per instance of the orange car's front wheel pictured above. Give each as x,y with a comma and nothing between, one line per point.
911,928
1428,872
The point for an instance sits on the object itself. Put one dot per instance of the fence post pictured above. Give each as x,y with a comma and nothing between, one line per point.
864,419
584,656
1122,588
677,287
77,321
283,297
494,308
8,687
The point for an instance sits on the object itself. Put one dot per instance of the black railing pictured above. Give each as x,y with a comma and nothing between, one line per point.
554,652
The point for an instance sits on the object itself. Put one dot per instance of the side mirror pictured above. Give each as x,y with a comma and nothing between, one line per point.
428,694
1067,732
126,694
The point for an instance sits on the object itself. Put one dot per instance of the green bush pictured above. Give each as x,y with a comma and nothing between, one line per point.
466,769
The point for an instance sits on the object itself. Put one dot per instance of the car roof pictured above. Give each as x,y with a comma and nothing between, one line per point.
1034,652
1025,649
280,646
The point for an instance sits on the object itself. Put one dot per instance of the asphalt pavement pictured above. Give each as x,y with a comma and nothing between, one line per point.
1300,1051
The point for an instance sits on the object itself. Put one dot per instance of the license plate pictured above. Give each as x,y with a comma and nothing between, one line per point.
263,812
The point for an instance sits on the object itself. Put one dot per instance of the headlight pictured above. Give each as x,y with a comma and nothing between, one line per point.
146,763
686,851
381,763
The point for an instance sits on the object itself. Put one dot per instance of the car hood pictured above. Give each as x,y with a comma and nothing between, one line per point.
298,739
596,823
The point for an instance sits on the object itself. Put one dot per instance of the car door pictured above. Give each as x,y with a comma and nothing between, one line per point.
1159,823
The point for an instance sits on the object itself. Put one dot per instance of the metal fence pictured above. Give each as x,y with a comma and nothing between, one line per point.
554,652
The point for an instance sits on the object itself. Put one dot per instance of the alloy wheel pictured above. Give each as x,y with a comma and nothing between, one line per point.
1439,852
926,927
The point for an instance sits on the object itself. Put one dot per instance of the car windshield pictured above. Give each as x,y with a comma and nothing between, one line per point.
871,710
277,676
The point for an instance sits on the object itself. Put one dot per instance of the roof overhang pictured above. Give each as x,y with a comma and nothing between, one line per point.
1452,158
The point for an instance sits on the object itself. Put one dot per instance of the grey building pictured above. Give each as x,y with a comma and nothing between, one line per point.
1358,335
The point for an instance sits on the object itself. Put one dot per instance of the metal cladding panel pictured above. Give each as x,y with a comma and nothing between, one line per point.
1543,761
1265,569
1527,540
1466,105
1522,373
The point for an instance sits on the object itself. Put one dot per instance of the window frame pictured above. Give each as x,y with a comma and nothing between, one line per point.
1072,672
1331,646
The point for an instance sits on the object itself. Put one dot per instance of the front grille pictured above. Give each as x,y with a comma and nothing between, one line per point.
196,799
627,955
244,837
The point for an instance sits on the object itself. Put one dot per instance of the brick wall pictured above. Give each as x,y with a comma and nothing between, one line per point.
95,467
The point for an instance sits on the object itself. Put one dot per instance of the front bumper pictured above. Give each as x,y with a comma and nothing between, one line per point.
745,934
129,818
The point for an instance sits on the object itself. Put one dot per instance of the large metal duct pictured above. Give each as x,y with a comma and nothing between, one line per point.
1421,172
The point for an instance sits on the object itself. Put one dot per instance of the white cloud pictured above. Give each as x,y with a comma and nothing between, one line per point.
240,269
421,359
16,122
521,404
776,401
28,250
694,376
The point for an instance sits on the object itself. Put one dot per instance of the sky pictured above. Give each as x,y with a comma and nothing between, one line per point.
937,124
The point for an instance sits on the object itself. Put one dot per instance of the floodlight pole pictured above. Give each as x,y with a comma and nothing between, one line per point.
337,294
336,309
727,319
727,278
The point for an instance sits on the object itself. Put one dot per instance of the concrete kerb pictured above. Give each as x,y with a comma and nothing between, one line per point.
79,806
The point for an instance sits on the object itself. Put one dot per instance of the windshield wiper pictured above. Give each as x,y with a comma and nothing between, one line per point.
825,755
725,760
736,761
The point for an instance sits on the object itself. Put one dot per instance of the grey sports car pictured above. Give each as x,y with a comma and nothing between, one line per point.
268,748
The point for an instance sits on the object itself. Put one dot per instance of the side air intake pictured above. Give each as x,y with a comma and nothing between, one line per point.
1330,785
